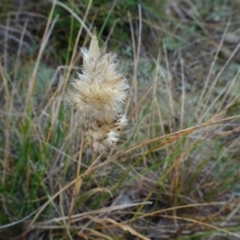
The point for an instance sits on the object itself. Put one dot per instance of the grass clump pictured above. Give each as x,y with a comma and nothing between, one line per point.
174,173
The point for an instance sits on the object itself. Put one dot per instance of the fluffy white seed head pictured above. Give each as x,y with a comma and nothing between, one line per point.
98,93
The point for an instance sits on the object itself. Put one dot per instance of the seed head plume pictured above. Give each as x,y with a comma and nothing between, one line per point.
98,94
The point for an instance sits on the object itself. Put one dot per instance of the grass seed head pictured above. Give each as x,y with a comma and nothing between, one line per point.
98,94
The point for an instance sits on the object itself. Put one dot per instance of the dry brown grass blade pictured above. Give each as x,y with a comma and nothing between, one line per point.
102,211
96,234
224,205
81,21
173,136
203,224
78,183
8,107
123,227
5,85
136,50
17,222
172,139
88,171
43,45
83,25
142,100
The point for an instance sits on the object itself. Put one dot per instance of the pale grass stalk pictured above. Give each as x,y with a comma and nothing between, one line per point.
65,224
142,99
220,229
180,133
45,38
158,107
136,51
210,91
81,21
8,107
183,94
226,90
78,183
206,84
83,25
5,53
87,172
104,210
124,227
16,66
231,88
107,18
168,82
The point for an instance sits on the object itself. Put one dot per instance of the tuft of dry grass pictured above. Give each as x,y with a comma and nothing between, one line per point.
98,95
174,173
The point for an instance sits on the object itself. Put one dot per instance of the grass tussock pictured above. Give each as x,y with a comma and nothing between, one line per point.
174,172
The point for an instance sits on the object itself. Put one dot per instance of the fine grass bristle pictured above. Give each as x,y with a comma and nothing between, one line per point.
98,94
172,173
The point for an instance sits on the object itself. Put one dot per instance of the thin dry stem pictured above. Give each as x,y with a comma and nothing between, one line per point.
45,38
78,183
